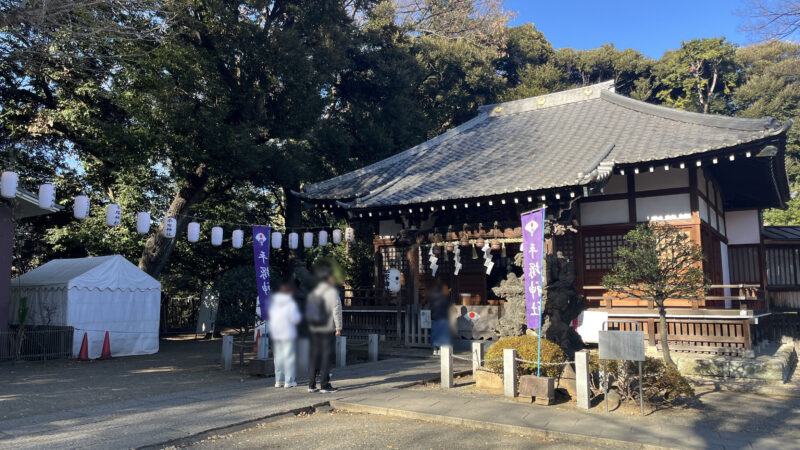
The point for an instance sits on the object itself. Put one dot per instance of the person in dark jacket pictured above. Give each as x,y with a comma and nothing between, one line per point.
439,301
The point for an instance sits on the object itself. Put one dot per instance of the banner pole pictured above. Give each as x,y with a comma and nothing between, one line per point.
541,304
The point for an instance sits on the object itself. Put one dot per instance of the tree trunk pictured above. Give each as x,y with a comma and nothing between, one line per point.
158,248
662,325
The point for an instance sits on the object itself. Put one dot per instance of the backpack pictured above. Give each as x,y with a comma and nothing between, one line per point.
316,312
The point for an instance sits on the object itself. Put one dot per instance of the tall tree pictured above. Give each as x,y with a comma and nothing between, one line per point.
771,87
657,262
700,76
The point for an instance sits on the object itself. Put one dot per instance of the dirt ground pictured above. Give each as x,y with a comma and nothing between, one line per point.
344,430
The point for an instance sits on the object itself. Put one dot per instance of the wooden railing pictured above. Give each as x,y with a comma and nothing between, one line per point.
748,296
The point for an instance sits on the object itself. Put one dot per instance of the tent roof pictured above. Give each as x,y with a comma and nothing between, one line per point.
112,272
558,140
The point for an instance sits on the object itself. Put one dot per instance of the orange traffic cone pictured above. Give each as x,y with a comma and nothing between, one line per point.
106,353
83,354
255,346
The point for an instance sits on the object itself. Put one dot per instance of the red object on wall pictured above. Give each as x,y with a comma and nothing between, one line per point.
106,353
83,355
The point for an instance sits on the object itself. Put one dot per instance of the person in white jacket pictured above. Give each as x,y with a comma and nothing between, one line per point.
284,315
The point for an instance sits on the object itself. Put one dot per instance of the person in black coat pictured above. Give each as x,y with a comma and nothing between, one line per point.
439,301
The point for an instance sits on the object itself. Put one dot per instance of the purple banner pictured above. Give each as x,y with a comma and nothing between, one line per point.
533,249
261,253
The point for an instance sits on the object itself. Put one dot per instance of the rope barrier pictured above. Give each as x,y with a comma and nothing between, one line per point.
544,363
462,358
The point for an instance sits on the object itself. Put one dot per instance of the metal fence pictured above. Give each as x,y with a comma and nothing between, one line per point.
36,343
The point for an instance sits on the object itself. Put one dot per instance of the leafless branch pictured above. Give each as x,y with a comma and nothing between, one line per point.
772,19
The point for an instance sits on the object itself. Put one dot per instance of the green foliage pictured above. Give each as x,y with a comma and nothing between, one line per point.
527,348
699,76
657,261
237,298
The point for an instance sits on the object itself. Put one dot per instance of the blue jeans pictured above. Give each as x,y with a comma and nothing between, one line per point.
284,355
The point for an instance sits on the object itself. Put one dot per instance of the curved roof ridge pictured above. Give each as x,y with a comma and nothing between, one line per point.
419,148
574,95
710,120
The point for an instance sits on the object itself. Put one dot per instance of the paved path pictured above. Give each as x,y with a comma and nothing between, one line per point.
597,428
161,418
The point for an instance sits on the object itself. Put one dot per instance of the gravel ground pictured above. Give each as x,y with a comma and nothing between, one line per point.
344,430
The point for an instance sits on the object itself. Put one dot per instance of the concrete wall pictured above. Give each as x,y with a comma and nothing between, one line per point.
6,251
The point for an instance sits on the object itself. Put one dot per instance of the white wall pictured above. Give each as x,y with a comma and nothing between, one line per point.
605,212
743,227
663,207
726,271
661,179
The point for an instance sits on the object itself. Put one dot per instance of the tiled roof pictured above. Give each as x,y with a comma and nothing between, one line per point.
781,233
551,141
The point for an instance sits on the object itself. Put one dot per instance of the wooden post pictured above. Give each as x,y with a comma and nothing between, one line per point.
446,353
477,358
510,372
651,331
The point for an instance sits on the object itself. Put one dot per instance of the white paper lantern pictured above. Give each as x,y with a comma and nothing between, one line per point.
336,236
237,238
216,236
170,227
308,239
143,222
193,232
323,238
293,238
8,184
349,234
80,209
113,215
47,196
277,239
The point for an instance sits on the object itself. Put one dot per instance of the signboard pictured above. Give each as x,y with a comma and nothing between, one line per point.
261,243
533,251
621,345
425,318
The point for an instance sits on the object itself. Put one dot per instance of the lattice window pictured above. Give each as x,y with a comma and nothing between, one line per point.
393,257
600,251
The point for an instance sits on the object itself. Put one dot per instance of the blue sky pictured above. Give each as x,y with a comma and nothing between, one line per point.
645,25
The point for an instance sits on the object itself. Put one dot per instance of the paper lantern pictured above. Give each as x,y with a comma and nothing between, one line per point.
349,234
170,227
216,236
336,236
80,209
47,196
308,239
293,238
193,232
237,238
143,222
8,184
113,215
323,238
277,240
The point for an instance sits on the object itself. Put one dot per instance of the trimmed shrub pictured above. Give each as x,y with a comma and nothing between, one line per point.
527,348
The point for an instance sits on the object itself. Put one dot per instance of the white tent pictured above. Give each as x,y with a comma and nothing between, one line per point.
94,295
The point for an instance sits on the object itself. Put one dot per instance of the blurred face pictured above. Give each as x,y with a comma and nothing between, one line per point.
286,289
